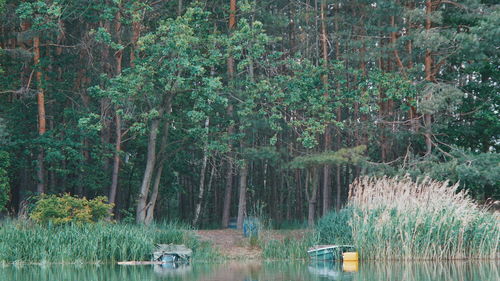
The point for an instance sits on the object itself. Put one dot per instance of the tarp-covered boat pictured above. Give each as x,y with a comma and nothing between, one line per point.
333,252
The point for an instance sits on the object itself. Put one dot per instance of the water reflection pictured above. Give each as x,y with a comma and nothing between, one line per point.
257,271
337,271
438,271
173,269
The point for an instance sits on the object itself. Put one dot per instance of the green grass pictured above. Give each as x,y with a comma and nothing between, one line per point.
334,228
288,248
25,242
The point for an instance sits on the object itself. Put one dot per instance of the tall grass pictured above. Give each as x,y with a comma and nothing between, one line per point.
22,241
402,219
334,228
288,248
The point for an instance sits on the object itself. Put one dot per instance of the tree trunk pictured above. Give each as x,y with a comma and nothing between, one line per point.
118,125
226,207
312,181
148,173
298,190
338,142
105,103
338,201
429,78
209,189
116,159
150,207
242,202
327,138
230,129
202,174
159,160
412,112
179,8
41,116
136,32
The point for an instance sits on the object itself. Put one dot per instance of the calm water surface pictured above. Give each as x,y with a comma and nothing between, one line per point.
256,271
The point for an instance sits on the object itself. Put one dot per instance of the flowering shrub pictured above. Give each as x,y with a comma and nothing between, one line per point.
66,208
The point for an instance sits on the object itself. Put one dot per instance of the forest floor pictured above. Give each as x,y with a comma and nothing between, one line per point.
233,245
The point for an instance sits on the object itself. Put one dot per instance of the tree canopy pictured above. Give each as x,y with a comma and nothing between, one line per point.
165,106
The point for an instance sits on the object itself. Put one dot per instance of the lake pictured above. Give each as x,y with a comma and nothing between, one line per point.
261,271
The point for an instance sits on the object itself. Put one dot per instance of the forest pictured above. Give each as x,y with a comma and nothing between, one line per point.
209,111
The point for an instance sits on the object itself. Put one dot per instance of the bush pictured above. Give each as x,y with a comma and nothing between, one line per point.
66,208
334,228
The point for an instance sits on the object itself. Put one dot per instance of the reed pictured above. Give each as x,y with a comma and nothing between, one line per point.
334,228
25,242
396,218
288,248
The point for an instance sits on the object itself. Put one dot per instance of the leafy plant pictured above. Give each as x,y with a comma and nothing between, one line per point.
335,228
66,208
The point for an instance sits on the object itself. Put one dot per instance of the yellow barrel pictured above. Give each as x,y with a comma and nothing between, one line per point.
350,256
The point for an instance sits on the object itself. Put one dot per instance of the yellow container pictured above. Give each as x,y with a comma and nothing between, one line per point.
350,266
350,256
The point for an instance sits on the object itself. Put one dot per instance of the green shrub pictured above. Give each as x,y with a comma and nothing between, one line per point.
66,208
334,228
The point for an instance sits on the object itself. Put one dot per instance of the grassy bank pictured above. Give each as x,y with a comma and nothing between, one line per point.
288,248
25,242
399,219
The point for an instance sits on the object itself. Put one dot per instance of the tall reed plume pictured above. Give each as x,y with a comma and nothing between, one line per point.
397,218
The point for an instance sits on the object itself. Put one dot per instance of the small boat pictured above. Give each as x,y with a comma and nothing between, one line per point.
333,252
172,253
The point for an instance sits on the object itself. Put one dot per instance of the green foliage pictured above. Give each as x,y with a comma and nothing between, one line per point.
334,228
478,173
342,156
288,248
65,209
42,14
153,61
4,180
96,243
440,98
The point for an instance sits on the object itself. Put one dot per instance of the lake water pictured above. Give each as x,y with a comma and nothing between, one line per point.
257,271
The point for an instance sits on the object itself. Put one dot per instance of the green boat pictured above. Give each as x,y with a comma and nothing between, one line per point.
333,252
